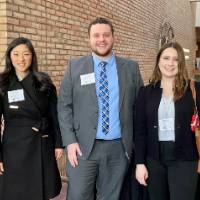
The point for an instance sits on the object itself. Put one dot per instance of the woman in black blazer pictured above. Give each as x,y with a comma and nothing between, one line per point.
166,153
31,140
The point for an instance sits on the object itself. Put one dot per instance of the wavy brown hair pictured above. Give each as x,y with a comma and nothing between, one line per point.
181,79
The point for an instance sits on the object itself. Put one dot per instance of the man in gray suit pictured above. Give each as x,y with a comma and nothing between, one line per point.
96,108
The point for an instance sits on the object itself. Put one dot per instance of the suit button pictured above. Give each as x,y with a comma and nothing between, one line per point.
155,126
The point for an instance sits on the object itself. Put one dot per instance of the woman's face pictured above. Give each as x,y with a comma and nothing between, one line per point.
168,63
21,58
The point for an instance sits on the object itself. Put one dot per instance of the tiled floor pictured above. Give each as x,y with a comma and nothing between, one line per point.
62,195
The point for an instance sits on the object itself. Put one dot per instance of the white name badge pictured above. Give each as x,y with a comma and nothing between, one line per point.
16,95
87,79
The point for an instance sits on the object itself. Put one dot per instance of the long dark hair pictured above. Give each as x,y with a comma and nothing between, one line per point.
181,79
43,82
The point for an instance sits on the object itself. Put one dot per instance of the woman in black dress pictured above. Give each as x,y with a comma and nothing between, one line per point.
31,140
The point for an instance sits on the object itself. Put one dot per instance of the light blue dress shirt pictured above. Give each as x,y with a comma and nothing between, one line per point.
113,87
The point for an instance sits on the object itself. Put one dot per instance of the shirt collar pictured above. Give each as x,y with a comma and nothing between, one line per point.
110,60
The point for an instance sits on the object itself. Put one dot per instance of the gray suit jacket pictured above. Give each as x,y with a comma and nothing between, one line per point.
78,107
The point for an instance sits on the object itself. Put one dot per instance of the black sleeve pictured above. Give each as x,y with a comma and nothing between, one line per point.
138,84
197,87
140,128
53,118
1,111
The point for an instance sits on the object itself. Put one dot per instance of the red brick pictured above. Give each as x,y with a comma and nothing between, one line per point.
20,2
24,10
31,31
30,5
41,8
18,15
12,20
19,29
36,13
13,34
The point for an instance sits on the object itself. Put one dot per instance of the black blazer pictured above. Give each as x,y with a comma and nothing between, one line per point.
146,124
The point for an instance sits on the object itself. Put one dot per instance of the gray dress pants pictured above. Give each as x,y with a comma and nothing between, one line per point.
103,171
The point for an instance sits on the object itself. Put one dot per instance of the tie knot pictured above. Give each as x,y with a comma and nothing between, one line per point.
103,64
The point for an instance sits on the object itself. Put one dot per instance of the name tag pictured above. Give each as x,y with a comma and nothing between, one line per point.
87,79
16,95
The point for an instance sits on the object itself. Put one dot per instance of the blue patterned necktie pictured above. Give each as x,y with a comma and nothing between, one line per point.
104,95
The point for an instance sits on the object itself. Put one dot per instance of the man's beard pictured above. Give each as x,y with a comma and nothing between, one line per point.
108,52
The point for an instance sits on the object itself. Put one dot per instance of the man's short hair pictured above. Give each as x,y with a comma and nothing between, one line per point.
101,20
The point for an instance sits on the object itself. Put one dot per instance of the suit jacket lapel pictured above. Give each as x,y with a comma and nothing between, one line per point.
121,79
89,68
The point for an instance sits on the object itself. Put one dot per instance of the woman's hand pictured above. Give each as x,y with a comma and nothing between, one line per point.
58,153
141,174
1,168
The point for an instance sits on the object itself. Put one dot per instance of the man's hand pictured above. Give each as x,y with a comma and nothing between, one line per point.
72,151
141,174
1,168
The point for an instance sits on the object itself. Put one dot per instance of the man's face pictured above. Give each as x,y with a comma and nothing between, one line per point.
101,39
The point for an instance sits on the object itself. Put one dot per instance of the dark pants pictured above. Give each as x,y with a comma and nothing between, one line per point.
105,169
172,180
198,189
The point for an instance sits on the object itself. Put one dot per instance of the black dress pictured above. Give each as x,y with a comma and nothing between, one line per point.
28,156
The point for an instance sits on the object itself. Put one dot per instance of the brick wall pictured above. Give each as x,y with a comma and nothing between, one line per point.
58,28
3,30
